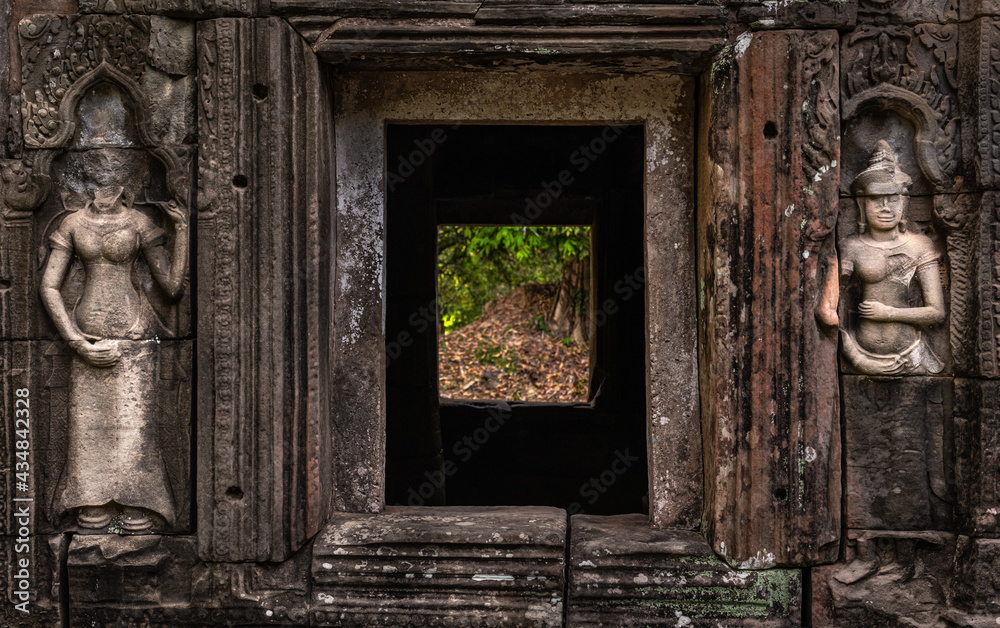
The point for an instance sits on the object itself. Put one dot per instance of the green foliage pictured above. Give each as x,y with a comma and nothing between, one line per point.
489,353
478,264
538,324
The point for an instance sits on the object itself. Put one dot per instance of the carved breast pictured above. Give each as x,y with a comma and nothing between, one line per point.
881,265
116,242
120,246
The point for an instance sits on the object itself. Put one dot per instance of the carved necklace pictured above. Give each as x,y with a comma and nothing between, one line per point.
102,222
888,244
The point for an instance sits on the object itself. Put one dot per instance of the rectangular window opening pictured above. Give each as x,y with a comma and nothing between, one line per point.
480,223
513,304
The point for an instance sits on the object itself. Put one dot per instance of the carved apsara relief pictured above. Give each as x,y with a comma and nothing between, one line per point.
103,192
901,87
114,465
888,261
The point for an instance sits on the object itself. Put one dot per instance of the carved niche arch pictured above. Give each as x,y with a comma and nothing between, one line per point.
34,182
914,109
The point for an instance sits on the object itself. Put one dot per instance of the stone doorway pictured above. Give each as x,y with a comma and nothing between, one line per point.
367,103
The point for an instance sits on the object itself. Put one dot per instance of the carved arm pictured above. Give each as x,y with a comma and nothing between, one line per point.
170,274
931,313
52,279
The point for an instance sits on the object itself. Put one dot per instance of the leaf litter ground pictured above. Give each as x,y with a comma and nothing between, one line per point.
509,354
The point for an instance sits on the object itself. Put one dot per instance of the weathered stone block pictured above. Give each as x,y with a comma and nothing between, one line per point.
177,8
972,9
899,445
675,37
126,571
978,458
977,575
812,14
977,446
156,53
158,581
5,67
954,618
979,96
888,579
460,566
899,84
253,593
908,11
984,324
623,572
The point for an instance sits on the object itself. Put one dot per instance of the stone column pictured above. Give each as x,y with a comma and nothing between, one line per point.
768,205
266,254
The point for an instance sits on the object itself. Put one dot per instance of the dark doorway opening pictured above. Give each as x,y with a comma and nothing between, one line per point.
585,457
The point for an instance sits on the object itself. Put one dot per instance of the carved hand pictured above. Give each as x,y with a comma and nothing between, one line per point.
103,353
177,213
876,311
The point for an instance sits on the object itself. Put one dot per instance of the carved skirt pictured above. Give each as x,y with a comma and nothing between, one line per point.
917,358
113,453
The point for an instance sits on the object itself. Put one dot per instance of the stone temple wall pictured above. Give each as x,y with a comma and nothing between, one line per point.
192,303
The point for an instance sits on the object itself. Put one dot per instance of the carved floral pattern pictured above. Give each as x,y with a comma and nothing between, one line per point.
56,51
918,64
821,124
987,122
989,286
217,74
22,189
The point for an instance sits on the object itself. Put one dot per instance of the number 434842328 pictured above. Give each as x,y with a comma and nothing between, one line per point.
22,426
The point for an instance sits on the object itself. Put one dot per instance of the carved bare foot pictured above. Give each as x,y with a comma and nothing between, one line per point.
93,519
865,563
136,521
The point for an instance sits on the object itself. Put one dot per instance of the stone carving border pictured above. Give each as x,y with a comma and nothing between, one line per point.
265,249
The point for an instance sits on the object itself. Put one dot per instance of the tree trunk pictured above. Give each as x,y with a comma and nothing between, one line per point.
568,318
